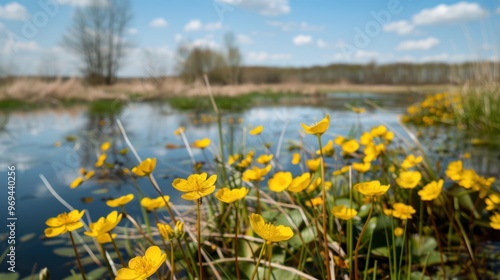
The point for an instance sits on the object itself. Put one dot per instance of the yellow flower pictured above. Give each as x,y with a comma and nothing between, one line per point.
280,181
388,136
454,170
313,164
314,202
166,232
196,186
366,138
104,224
342,170
256,174
378,131
316,183
431,191
152,204
179,228
264,159
350,146
142,267
179,130
145,167
257,130
402,211
491,201
268,231
339,140
89,175
343,212
372,188
408,179
233,158
229,196
77,182
467,155
296,158
105,238
327,149
121,201
202,143
100,160
105,146
410,161
64,222
495,221
319,127
361,167
300,183
358,110
398,232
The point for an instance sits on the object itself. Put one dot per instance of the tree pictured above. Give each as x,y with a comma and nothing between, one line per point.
97,38
198,61
233,59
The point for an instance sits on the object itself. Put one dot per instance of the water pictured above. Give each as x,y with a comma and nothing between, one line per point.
27,141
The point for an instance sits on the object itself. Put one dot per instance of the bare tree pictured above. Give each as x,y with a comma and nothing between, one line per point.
233,59
97,38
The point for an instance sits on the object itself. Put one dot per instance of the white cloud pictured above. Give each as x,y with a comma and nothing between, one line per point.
196,25
264,56
20,46
322,44
84,2
132,31
178,37
295,26
302,40
358,56
158,22
401,27
263,7
459,12
244,39
424,44
13,11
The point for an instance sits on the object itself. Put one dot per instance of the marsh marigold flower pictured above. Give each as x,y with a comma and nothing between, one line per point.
104,224
264,159
196,186
268,231
398,232
64,222
431,191
179,130
166,231
300,183
342,170
318,128
350,146
366,138
378,131
229,196
77,182
89,175
313,164
121,201
202,143
361,167
327,149
280,181
402,211
313,202
145,167
372,188
492,201
495,221
101,160
408,179
410,161
256,174
142,267
257,130
105,146
295,158
344,213
155,203
454,170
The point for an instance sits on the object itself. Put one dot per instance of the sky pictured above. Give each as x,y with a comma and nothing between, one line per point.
285,33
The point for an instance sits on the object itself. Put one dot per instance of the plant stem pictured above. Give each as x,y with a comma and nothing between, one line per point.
77,256
117,251
269,257
108,266
356,250
258,261
324,219
236,227
157,188
139,229
200,258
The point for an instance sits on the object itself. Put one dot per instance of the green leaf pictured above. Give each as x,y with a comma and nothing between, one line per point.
295,216
422,245
9,276
381,251
27,237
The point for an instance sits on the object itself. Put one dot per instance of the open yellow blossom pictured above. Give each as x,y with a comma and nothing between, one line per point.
358,110
361,167
454,170
142,267
350,146
402,211
300,183
257,130
166,231
152,204
268,231
229,196
145,167
233,158
344,213
105,146
398,232
202,143
492,201
264,159
280,181
64,222
327,149
296,158
313,164
318,128
314,202
77,182
495,221
388,136
316,183
179,130
89,175
408,179
196,186
431,191
366,138
378,131
339,140
104,224
101,160
410,161
256,174
105,238
121,201
341,171
372,188
468,178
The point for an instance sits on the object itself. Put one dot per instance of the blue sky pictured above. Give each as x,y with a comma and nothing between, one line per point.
269,32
